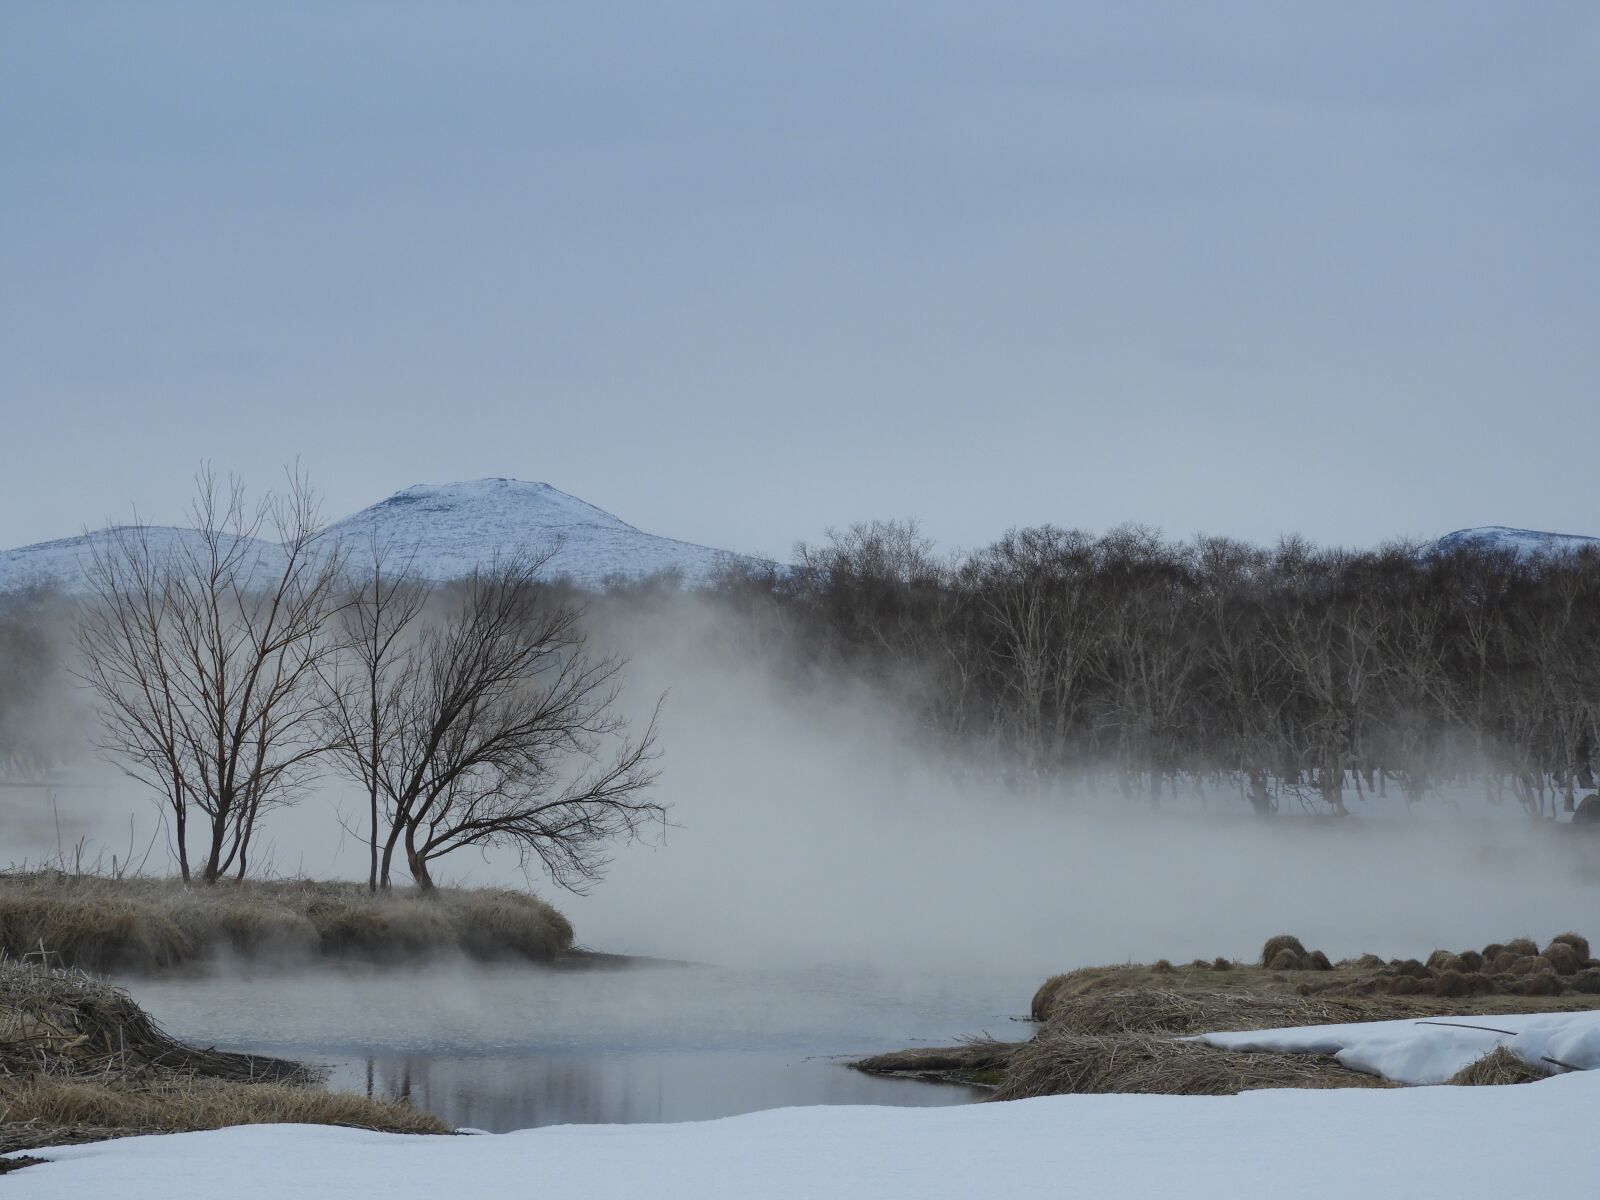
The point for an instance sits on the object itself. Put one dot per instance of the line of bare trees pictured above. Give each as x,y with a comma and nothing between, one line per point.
475,714
231,668
1291,674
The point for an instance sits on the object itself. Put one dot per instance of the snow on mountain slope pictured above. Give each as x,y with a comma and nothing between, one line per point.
443,531
65,562
1529,542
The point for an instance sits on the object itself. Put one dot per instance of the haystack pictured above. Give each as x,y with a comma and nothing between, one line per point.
1277,944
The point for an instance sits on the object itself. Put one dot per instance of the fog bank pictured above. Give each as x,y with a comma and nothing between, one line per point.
810,826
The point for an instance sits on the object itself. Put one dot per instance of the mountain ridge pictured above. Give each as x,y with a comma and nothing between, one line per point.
1531,542
443,531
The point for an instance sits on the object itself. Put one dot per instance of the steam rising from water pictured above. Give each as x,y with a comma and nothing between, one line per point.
815,830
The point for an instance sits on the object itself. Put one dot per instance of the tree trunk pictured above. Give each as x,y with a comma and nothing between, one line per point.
387,865
417,864
372,840
213,867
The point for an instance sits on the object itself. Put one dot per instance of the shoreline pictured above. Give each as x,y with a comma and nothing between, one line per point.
149,925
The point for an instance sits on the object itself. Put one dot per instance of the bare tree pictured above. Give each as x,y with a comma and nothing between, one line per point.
497,727
1038,612
202,649
369,677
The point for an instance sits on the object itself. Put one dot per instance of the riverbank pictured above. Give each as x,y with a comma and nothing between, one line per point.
1122,1029
81,1062
98,923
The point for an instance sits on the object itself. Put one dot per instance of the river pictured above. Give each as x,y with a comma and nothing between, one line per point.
512,1047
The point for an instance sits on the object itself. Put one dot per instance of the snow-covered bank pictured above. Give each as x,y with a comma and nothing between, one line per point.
1332,1144
1433,1049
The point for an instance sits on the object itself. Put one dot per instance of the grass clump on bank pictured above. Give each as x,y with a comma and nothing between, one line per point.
80,1061
1117,1028
1499,1066
99,923
1060,1062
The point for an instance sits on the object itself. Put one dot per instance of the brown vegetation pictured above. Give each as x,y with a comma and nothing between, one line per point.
1059,1061
79,1061
99,923
1116,1028
1497,1067
1467,979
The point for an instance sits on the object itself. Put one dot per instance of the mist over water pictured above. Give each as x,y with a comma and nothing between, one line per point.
811,826
845,890
510,1047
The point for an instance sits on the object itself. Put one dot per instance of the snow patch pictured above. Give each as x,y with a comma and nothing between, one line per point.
443,531
1316,1144
1525,543
1431,1050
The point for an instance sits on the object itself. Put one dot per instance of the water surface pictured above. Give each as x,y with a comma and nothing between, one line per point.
502,1048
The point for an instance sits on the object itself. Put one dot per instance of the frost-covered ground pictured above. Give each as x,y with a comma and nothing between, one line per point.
1465,1142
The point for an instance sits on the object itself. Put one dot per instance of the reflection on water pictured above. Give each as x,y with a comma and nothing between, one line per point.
503,1048
519,1093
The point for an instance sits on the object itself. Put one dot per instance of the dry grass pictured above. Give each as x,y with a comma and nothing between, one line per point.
1397,988
1206,1010
39,1110
1116,1028
1059,1061
1499,1066
104,924
979,1054
79,1061
66,1024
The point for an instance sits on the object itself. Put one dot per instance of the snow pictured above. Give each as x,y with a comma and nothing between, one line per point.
443,531
1531,543
66,561
1432,1049
1313,1144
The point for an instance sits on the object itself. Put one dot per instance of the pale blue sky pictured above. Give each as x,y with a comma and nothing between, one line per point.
740,271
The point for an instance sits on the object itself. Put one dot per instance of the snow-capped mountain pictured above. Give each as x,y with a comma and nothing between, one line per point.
1527,542
444,530
66,562
441,531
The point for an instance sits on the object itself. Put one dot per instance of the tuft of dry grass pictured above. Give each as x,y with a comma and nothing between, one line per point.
1449,982
1577,941
104,924
1279,944
80,1061
41,1110
965,1060
1499,1066
1059,1061
68,1024
1115,1028
1206,1010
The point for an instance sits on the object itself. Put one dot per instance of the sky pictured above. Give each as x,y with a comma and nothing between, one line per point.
741,271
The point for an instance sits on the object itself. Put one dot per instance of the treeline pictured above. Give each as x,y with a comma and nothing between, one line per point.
1292,674
1129,664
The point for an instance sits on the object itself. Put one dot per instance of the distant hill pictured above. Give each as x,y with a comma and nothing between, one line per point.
447,529
1528,542
442,531
64,563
